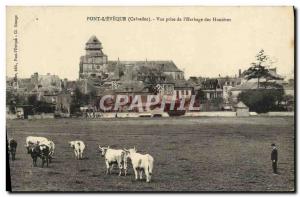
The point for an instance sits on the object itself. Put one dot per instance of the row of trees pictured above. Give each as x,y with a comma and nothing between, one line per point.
33,105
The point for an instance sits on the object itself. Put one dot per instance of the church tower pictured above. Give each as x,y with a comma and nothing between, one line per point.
93,64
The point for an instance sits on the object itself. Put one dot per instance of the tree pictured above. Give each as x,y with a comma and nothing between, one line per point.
32,100
200,95
43,107
258,69
263,100
79,99
152,77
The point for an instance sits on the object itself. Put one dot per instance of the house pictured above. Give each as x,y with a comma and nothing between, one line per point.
183,89
289,88
241,109
214,88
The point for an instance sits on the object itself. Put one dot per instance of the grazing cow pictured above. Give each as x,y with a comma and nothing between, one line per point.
78,147
113,156
12,148
41,151
51,146
140,163
33,140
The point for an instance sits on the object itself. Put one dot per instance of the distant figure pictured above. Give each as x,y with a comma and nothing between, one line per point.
274,158
12,148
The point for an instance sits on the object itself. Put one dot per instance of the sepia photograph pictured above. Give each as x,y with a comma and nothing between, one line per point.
150,99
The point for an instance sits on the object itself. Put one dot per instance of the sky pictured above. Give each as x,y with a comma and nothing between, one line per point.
52,39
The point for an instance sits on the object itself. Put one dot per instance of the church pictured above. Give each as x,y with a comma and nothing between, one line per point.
94,65
102,75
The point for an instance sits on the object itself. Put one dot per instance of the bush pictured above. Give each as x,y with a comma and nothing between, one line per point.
44,107
262,100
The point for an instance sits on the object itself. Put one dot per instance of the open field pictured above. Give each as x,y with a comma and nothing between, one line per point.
190,154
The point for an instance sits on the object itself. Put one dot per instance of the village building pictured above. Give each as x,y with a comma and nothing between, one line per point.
215,88
241,109
40,85
289,87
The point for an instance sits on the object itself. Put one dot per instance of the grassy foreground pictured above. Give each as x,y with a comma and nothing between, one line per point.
190,154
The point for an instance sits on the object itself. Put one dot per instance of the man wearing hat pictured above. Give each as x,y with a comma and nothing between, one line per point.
274,158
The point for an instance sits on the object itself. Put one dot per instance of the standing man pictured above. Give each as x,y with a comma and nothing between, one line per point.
274,158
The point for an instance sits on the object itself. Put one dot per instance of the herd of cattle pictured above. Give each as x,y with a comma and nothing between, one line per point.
41,147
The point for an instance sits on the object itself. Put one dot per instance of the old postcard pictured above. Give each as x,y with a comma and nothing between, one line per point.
150,99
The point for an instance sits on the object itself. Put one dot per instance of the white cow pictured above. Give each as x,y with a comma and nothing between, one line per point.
78,147
34,140
114,156
140,163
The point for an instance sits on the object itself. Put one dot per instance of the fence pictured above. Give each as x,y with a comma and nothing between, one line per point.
212,114
283,113
41,116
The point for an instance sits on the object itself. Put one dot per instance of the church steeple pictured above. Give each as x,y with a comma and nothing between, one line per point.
94,63
93,46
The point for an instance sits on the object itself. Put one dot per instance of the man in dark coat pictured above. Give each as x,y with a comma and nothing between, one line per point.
274,158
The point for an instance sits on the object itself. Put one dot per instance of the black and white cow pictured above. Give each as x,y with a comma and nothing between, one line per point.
41,151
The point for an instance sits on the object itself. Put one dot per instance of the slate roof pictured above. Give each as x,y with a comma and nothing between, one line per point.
131,86
163,65
93,40
241,105
183,84
274,74
246,86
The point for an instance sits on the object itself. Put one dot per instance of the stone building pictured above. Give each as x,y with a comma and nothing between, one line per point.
103,76
95,71
94,63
